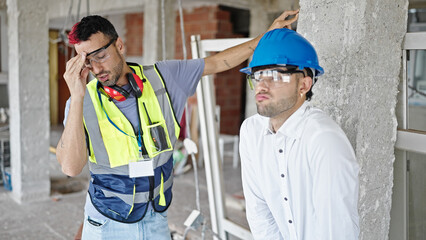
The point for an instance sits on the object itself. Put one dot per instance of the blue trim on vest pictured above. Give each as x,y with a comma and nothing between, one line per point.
114,207
167,170
118,183
138,213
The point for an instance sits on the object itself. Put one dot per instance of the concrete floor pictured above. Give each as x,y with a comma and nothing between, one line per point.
60,215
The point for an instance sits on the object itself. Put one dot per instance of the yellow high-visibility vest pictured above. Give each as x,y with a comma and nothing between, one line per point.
112,144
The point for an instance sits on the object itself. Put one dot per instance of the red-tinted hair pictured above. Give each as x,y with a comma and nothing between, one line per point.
72,36
90,25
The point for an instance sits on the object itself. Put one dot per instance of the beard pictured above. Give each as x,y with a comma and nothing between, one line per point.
275,108
115,74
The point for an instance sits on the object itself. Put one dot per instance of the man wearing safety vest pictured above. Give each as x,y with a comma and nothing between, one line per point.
126,123
299,171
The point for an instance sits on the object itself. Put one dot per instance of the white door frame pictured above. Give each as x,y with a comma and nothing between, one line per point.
209,137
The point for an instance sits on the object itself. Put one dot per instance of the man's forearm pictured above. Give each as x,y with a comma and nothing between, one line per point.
71,151
230,57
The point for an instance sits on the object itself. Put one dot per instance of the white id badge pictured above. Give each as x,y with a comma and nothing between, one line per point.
142,168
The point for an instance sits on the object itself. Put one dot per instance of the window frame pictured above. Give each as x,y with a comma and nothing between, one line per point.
407,140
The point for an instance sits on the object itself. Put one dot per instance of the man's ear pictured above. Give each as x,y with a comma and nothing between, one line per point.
120,45
305,84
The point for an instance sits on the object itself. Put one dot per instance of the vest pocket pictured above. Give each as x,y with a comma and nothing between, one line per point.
113,203
157,140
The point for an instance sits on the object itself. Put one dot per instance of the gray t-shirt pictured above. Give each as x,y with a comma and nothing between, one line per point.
181,78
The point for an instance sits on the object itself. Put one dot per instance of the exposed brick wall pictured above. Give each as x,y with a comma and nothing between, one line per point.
229,84
134,34
201,21
211,23
229,87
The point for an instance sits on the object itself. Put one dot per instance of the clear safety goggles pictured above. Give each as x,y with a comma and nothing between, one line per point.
271,77
98,56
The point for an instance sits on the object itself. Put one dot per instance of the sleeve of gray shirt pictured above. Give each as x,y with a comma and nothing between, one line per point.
181,78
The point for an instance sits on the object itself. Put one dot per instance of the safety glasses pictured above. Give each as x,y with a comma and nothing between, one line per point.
271,77
98,56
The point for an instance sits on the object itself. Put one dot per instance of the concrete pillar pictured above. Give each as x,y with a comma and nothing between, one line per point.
29,99
152,37
359,45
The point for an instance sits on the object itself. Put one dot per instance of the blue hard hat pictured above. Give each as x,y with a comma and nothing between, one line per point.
284,47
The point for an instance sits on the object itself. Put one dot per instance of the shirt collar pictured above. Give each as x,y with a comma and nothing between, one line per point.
291,126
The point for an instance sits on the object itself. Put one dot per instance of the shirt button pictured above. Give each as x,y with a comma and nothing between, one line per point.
282,175
290,221
285,199
281,151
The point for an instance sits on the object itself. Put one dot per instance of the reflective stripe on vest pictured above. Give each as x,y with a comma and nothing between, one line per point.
140,197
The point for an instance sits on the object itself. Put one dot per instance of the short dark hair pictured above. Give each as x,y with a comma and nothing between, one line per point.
309,94
90,25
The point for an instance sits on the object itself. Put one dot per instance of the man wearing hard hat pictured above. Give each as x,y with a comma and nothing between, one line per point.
299,171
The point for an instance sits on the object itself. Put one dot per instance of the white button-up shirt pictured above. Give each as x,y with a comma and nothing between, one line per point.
302,181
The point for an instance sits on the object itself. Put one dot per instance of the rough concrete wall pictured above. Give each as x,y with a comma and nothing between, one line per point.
359,46
29,98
